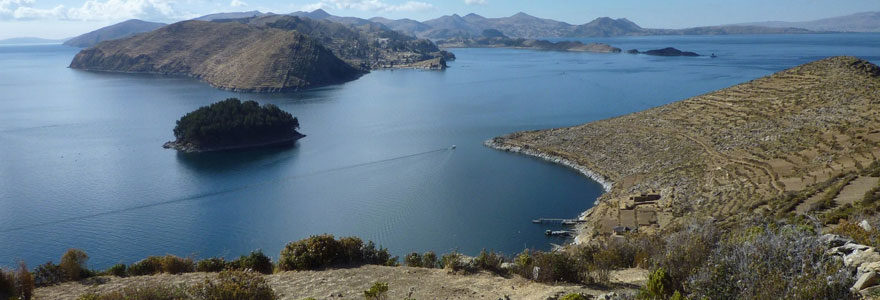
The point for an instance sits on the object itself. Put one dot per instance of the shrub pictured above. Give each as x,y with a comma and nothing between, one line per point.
73,263
490,261
322,251
573,296
176,265
48,274
315,252
118,270
413,260
429,260
147,266
555,267
212,265
18,284
658,287
377,291
24,282
453,261
686,251
234,285
856,232
777,261
256,261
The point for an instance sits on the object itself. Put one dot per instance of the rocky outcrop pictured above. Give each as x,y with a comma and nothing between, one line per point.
864,259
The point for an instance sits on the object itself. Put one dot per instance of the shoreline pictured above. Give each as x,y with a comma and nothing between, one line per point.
606,183
189,148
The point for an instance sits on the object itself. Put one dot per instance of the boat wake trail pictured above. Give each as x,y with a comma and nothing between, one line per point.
220,192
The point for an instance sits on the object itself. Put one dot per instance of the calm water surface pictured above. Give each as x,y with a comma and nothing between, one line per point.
81,162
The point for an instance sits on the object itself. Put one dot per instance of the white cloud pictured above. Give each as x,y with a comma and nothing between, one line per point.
370,5
237,3
475,2
92,10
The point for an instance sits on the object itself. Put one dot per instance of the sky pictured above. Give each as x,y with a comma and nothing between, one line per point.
66,18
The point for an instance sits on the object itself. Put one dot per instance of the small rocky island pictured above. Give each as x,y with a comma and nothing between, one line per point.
233,124
668,51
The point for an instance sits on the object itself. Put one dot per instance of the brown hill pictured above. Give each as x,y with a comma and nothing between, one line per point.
226,55
762,147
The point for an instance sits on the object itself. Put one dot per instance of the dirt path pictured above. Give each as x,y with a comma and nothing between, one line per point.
418,283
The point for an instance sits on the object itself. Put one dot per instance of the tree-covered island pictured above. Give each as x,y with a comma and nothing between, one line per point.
233,124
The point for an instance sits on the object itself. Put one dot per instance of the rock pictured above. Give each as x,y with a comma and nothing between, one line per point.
859,257
833,240
866,280
632,51
507,265
865,225
847,249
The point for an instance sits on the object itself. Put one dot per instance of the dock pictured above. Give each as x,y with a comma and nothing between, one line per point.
563,221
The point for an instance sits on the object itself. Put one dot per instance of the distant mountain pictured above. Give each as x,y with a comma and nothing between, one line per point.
860,22
232,15
116,31
407,26
726,30
605,27
320,14
520,25
29,40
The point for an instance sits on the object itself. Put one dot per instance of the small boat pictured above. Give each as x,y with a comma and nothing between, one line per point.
713,55
452,148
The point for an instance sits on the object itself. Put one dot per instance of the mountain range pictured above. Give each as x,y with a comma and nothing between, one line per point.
860,22
520,25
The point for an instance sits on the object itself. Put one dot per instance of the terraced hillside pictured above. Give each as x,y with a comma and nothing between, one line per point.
765,146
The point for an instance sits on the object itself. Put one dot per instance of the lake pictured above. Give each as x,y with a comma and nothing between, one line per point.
81,162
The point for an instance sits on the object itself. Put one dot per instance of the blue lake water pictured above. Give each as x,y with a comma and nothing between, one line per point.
81,162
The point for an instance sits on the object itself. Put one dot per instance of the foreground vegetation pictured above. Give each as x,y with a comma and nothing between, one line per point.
760,259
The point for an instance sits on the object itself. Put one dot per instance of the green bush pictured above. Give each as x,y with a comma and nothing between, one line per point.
147,266
48,274
377,291
256,261
212,265
429,260
176,265
658,287
490,261
453,261
234,285
413,260
555,267
73,263
118,270
323,251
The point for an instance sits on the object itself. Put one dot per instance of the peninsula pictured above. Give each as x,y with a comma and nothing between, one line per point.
781,145
233,124
263,54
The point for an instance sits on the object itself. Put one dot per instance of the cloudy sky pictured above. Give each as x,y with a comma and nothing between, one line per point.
66,18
